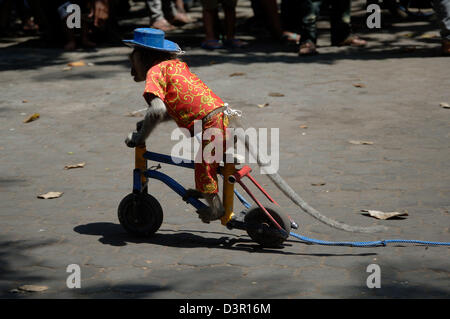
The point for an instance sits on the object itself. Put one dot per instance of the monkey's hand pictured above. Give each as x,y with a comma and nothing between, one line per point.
133,139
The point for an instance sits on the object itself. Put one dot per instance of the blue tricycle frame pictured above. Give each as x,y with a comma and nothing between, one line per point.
265,224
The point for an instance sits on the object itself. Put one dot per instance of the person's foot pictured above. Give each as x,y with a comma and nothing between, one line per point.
235,43
70,45
290,37
212,44
181,18
29,25
445,47
163,24
86,43
307,48
353,41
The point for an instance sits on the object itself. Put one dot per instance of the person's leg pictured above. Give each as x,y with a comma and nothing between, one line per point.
169,9
210,14
271,12
157,20
288,19
340,20
179,14
309,11
229,8
442,8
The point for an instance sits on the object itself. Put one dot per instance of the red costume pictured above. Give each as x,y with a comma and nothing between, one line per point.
188,99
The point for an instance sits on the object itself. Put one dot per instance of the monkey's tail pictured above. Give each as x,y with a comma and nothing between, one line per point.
292,195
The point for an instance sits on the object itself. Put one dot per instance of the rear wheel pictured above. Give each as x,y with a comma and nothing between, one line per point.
262,230
140,214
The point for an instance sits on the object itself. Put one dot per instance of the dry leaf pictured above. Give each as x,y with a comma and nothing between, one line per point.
25,101
50,195
428,36
444,105
263,105
32,118
318,184
361,142
33,288
75,165
303,126
237,74
359,85
77,63
409,35
382,215
276,94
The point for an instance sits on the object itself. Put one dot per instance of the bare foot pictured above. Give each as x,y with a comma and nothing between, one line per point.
163,24
290,37
181,18
307,48
70,46
86,43
353,41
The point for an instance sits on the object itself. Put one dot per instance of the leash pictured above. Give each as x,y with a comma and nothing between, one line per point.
377,243
231,113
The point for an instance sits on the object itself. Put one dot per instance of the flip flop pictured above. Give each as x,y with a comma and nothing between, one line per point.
290,37
235,43
211,44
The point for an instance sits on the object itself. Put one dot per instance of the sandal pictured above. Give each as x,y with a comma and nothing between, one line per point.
235,43
290,37
307,48
211,44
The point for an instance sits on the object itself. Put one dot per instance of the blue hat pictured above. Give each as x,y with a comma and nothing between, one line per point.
152,39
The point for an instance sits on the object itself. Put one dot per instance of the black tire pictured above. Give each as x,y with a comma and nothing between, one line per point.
267,238
140,214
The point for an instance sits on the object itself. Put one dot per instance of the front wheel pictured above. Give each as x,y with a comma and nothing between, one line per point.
262,230
140,214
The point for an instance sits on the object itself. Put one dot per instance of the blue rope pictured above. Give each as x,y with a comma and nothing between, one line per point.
377,243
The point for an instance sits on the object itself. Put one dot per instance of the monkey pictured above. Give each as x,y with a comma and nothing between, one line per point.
154,67
142,61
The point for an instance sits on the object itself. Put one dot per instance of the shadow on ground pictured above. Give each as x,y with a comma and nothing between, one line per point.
15,265
396,282
114,235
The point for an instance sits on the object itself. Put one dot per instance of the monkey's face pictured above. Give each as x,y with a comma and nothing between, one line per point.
138,71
